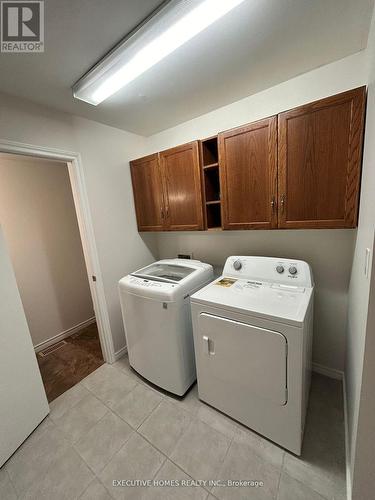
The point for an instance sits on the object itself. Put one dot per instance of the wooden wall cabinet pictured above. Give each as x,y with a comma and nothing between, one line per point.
148,193
320,152
248,175
182,187
299,169
167,190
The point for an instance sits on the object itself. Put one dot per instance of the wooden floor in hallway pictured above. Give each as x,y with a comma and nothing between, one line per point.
65,367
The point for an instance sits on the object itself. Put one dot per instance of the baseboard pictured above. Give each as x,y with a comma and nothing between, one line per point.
120,353
328,372
347,448
63,335
339,375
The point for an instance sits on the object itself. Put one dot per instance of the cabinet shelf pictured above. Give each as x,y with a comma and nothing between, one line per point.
210,153
211,183
212,165
213,213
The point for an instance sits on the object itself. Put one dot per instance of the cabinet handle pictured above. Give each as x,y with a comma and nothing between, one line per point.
282,201
273,203
162,213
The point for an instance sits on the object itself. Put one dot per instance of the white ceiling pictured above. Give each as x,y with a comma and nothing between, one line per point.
259,44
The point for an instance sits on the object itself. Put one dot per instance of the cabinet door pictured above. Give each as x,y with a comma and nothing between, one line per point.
248,175
148,193
320,149
182,186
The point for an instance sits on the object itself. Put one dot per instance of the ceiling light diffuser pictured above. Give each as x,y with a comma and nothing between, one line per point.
169,28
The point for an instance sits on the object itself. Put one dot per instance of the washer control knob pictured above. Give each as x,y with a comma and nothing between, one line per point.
280,269
237,264
292,270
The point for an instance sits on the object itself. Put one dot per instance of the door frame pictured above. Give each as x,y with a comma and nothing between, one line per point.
82,208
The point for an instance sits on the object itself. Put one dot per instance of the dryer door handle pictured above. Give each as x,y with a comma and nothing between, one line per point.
208,346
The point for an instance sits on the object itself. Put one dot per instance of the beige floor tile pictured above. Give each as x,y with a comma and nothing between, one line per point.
165,426
217,420
103,440
77,421
203,442
201,450
109,384
124,365
315,477
7,491
322,463
170,471
265,449
66,479
67,400
190,402
290,488
137,405
241,463
95,491
32,460
137,459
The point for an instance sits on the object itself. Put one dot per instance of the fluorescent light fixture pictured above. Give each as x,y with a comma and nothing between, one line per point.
169,28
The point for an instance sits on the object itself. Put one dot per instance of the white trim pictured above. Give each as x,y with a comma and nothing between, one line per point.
347,448
81,203
328,372
63,335
120,353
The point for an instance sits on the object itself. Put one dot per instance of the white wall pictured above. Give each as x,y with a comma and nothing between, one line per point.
40,226
329,252
358,309
339,76
105,153
363,458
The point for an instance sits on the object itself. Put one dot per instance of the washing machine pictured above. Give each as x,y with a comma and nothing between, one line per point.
155,304
253,331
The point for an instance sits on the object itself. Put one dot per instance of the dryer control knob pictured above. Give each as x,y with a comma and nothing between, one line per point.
237,264
292,270
280,269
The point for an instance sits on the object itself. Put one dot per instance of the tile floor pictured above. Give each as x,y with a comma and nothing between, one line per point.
68,365
114,426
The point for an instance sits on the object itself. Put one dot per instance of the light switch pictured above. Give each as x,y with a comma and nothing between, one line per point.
367,261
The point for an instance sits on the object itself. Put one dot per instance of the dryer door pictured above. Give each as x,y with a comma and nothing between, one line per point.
243,358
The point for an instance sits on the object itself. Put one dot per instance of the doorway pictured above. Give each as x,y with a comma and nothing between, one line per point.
39,220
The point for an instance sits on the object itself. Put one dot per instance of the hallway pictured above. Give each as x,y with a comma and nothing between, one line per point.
65,367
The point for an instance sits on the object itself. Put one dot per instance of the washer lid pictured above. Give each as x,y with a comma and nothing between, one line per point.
168,272
284,304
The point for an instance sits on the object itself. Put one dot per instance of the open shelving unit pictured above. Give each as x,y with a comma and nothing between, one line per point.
211,183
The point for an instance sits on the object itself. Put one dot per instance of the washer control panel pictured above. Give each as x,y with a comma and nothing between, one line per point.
289,269
237,265
269,269
143,282
280,269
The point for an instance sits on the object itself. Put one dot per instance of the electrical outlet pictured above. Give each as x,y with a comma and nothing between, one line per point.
367,261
